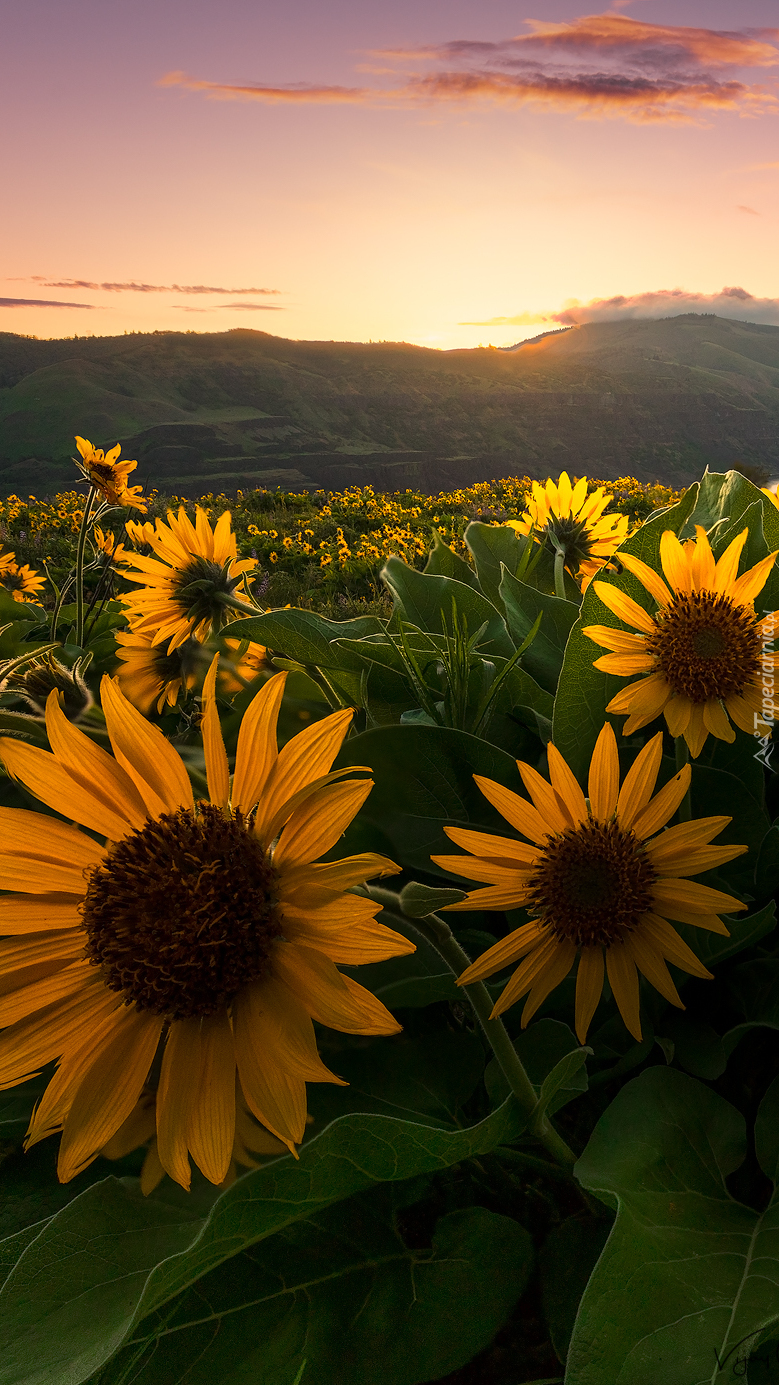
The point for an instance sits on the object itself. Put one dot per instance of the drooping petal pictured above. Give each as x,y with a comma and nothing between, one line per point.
282,1028
217,772
555,971
667,940
526,973
275,1095
330,997
212,1114
603,784
589,987
650,962
678,712
49,1115
623,979
643,701
179,1079
145,753
108,1091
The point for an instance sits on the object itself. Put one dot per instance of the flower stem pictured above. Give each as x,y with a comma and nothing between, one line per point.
559,574
437,932
682,759
82,543
236,604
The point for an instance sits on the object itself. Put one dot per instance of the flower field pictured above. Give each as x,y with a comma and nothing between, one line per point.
388,952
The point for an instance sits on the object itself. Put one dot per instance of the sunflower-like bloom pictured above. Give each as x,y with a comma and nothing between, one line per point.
772,495
140,1128
139,534
197,943
34,678
153,674
576,521
704,650
7,560
597,878
240,668
184,585
23,583
108,475
106,543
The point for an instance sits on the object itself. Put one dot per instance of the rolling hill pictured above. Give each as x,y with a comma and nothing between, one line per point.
654,399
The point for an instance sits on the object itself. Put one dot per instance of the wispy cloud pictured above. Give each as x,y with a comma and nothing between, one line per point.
43,303
235,308
133,287
751,210
729,302
597,65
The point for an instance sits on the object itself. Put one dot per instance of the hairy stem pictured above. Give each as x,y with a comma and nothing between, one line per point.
82,542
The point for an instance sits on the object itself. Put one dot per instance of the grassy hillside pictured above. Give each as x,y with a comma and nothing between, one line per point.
653,399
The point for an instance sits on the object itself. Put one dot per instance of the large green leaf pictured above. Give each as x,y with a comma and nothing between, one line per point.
343,1293
424,781
689,1277
492,547
111,1256
584,691
444,562
303,635
427,602
523,605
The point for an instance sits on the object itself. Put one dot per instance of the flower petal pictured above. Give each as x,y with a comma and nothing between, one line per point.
502,848
663,806
620,641
179,1079
603,783
526,973
715,720
71,794
521,814
148,757
257,748
625,607
675,563
217,772
623,979
555,971
304,758
640,781
696,733
39,914
726,569
275,1095
80,756
692,897
650,962
212,1113
330,997
678,711
318,823
648,578
751,583
544,798
17,1004
108,1091
667,940
589,987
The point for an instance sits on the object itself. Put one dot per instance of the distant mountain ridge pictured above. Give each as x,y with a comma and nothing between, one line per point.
656,399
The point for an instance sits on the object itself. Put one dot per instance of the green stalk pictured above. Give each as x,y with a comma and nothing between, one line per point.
682,759
437,932
82,543
235,603
559,574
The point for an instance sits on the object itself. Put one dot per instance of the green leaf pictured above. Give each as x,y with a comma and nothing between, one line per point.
423,782
413,980
567,1259
546,1048
744,930
561,1078
493,546
303,635
584,691
346,1294
427,602
697,1047
444,562
419,900
430,1076
767,867
523,605
689,1277
767,1132
112,1256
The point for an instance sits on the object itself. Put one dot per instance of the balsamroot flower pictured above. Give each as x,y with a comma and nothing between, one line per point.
22,583
567,516
196,943
151,675
187,585
108,475
703,650
597,880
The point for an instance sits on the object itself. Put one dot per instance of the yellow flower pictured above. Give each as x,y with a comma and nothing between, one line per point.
576,520
772,495
238,669
106,543
108,475
184,585
198,942
7,561
597,878
153,674
139,534
22,583
704,649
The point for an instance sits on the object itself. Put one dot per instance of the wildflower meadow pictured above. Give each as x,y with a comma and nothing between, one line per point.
389,977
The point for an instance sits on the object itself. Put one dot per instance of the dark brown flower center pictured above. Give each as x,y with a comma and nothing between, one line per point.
183,913
705,646
592,884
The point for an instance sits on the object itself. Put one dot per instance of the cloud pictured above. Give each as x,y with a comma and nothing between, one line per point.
751,210
597,65
43,303
133,287
729,302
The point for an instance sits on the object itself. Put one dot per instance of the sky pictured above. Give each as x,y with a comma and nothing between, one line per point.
440,172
